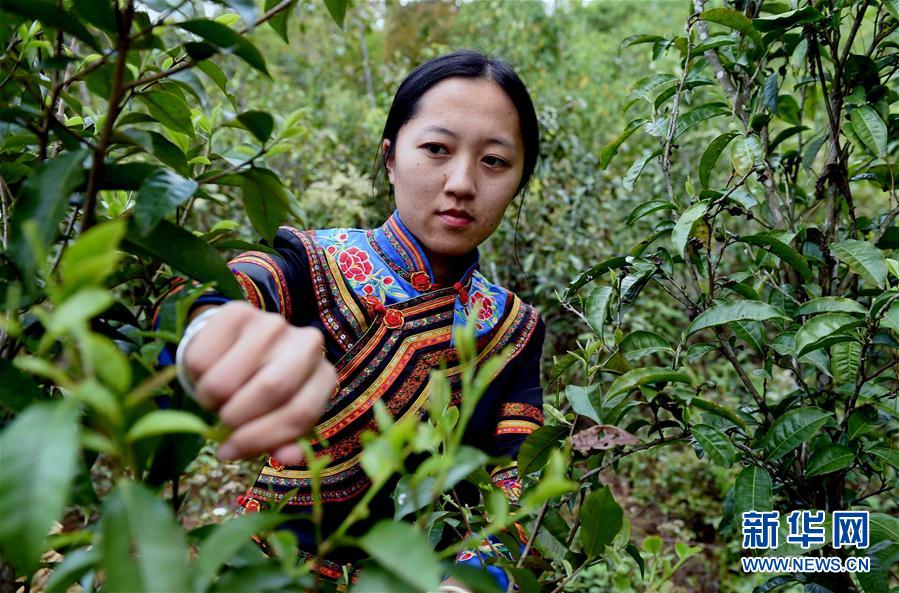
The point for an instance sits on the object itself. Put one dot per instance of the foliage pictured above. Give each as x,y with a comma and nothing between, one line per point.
139,137
778,254
112,145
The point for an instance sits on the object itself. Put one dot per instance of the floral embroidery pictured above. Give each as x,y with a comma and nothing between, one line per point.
492,303
486,303
354,263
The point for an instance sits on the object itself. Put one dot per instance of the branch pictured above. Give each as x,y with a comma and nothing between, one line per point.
744,378
859,17
712,56
90,202
190,62
672,121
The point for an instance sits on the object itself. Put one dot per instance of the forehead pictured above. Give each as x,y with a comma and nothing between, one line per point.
471,107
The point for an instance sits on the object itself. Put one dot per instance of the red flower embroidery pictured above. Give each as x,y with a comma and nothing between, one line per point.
341,237
486,305
388,280
368,289
354,263
331,250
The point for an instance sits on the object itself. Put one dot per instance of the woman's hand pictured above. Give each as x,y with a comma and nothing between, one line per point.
266,378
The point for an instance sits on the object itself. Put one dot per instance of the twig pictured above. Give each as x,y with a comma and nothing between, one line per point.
744,378
190,62
672,121
635,449
124,19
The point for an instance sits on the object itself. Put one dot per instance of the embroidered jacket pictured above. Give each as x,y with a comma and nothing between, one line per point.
387,323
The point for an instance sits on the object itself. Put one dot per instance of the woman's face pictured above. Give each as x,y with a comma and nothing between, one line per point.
457,165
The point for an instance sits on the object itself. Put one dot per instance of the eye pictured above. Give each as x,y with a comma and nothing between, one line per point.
493,161
434,148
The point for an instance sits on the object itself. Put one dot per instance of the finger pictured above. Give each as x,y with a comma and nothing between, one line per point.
290,454
214,339
293,362
286,423
239,362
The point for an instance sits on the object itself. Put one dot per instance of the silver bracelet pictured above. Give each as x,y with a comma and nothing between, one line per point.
193,327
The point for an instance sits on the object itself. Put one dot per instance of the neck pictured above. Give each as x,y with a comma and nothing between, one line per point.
447,269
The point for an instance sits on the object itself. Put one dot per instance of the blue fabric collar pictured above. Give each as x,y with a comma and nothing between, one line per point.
406,252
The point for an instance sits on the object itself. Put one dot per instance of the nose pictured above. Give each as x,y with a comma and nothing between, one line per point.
460,177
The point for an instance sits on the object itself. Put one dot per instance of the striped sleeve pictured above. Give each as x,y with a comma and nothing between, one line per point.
279,282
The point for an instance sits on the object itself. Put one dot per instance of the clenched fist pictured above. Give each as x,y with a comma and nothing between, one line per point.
266,378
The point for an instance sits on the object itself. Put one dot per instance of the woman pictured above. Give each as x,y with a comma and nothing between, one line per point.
341,318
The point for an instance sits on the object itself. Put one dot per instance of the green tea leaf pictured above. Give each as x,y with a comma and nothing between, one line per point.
161,422
640,343
160,193
630,178
644,376
245,8
42,202
733,19
794,428
611,149
54,16
783,251
753,491
864,259
185,252
890,456
396,547
258,123
597,307
870,129
265,200
746,153
647,208
787,20
93,257
737,311
830,305
828,458
38,461
825,330
142,547
586,277
534,452
227,40
170,109
710,155
226,540
716,444
683,228
337,10
601,519
845,361
581,399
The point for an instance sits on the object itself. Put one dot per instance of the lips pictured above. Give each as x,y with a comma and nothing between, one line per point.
457,213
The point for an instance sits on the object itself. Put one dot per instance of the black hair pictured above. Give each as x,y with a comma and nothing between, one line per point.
464,63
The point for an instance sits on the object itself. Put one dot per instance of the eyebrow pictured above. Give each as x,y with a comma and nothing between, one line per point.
442,130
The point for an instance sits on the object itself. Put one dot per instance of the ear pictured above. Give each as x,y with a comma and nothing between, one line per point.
388,161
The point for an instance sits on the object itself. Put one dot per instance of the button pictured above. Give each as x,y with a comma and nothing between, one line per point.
420,281
393,318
